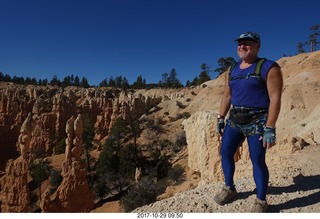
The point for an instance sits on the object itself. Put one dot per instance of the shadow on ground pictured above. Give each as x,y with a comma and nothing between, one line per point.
301,183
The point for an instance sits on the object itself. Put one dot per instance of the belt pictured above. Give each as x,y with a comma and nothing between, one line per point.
249,110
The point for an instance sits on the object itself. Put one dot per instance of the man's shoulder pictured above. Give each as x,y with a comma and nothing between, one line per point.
268,63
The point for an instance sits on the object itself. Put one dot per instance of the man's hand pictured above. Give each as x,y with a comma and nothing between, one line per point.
269,137
220,124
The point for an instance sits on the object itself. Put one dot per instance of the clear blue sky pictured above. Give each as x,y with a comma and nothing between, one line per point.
97,39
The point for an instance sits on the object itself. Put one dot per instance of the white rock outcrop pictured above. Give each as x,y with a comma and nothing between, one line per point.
204,145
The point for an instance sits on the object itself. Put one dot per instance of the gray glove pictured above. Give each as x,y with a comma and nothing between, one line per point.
269,135
220,124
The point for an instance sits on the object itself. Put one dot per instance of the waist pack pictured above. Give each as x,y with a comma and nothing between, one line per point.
245,116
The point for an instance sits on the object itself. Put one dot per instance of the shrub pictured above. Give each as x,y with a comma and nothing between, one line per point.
55,179
186,115
38,171
176,172
181,140
61,146
143,193
180,105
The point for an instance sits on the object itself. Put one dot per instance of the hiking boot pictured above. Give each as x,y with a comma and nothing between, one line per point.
259,206
224,195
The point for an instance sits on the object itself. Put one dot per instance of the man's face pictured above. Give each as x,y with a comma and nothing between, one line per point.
248,49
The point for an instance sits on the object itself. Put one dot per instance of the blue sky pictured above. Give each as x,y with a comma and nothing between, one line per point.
98,39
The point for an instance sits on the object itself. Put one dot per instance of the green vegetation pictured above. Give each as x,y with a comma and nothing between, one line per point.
61,146
87,137
147,190
55,180
203,76
116,164
224,64
143,193
312,40
168,81
39,171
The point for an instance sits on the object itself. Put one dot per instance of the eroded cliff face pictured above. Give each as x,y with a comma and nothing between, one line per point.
34,118
14,108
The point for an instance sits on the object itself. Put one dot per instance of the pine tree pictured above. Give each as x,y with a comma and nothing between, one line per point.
300,48
204,75
224,64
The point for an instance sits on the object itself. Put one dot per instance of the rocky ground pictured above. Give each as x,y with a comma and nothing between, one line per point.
294,187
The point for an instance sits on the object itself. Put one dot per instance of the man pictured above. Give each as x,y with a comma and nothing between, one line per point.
253,89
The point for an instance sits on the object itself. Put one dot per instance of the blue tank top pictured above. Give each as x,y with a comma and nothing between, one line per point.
250,92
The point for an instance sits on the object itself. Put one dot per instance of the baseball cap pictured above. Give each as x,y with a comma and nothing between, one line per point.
249,36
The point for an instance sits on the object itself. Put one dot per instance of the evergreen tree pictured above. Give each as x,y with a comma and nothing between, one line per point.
112,82
224,64
39,173
45,82
204,75
55,81
118,81
140,83
34,81
18,80
28,80
66,81
5,77
84,83
125,84
164,81
72,79
313,37
170,81
174,82
87,136
194,81
300,48
116,164
76,81
104,83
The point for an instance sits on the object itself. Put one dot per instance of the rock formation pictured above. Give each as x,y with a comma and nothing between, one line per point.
38,115
74,194
203,145
25,137
14,192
